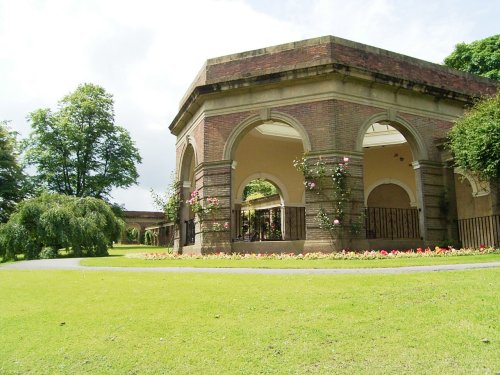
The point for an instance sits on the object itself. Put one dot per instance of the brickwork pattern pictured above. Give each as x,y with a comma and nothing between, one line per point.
378,62
332,125
216,132
215,182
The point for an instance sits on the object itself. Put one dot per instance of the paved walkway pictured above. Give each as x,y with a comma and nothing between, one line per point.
74,264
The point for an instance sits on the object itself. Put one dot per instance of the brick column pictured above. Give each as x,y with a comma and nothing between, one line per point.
180,233
215,181
322,197
430,192
448,204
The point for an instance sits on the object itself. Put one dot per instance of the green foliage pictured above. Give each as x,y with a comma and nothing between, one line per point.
253,196
78,150
314,174
481,57
11,173
203,207
258,188
48,253
132,234
86,226
475,139
149,238
339,196
14,240
170,202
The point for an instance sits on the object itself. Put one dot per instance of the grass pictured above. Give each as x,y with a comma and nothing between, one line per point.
118,260
97,322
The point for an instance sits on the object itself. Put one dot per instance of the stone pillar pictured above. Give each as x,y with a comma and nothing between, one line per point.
430,192
495,196
180,235
215,181
448,204
349,234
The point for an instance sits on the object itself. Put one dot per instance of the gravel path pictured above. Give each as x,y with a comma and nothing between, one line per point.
74,264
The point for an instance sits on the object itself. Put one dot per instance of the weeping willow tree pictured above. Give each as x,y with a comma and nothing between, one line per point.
41,226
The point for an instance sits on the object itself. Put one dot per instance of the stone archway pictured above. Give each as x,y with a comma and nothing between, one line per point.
265,116
390,181
329,90
407,130
390,149
266,149
284,197
388,195
186,231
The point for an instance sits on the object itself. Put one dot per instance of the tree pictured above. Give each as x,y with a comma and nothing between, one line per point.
169,202
481,57
78,150
11,173
44,224
258,188
475,139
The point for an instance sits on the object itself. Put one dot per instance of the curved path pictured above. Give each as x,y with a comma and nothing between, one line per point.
74,264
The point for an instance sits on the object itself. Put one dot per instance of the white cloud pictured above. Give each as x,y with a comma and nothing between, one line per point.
146,53
135,198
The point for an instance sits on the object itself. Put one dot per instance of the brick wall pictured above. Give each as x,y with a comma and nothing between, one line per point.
333,126
330,50
216,133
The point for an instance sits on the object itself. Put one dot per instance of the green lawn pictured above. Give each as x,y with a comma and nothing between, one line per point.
118,260
97,322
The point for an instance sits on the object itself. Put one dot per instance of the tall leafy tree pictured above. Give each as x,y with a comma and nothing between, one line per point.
78,150
481,57
475,139
11,173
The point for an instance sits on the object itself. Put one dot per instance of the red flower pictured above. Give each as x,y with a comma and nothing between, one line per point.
383,252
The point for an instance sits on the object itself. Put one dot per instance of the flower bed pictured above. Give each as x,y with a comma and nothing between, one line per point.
352,255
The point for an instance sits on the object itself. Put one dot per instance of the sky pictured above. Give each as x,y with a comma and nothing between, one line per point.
146,53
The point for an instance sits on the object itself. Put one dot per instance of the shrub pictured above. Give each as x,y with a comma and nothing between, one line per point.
84,226
48,253
148,238
13,241
132,235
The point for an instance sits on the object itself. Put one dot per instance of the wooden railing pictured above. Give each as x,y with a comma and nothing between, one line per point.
391,223
478,231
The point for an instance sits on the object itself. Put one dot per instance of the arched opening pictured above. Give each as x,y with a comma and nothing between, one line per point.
264,151
390,182
260,213
133,234
187,223
390,194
